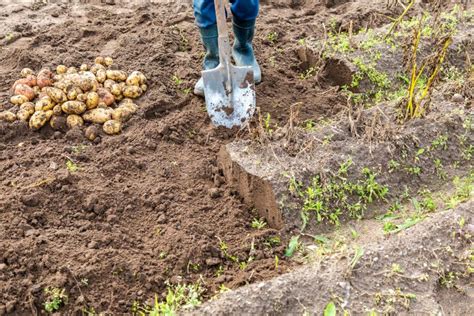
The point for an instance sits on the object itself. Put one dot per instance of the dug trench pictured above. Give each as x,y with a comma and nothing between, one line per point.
152,207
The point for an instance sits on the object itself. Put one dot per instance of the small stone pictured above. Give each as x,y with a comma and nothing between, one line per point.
10,306
92,245
213,262
53,165
2,266
131,150
214,193
80,299
111,218
30,200
457,98
30,232
161,219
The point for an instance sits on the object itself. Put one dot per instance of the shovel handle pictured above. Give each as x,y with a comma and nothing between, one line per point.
224,43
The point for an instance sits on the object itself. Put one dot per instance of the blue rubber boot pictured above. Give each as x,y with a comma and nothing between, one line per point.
242,50
209,37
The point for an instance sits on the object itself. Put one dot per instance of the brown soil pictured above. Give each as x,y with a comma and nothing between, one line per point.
150,205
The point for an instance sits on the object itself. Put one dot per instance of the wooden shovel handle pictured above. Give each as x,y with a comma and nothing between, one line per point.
224,45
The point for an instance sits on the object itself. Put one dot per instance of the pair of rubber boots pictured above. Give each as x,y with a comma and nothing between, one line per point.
242,50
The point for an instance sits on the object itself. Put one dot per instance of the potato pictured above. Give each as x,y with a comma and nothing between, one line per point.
125,101
122,114
30,81
92,100
84,67
112,127
99,60
58,122
37,90
23,115
57,110
98,116
108,61
49,114
56,94
102,105
44,78
119,98
44,104
61,69
73,92
88,84
62,85
25,72
105,96
108,84
82,97
116,90
96,68
101,75
132,107
27,91
73,107
136,78
18,99
28,106
132,92
74,120
72,70
91,133
38,119
8,116
116,75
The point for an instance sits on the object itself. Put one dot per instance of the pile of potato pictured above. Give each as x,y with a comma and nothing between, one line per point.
72,97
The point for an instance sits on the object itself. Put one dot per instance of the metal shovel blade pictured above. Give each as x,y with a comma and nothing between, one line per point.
234,106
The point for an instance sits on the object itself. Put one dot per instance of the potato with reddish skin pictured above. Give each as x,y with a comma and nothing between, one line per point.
44,78
29,107
105,96
116,75
74,120
112,127
27,91
132,92
56,94
73,107
30,81
8,116
18,99
98,116
38,120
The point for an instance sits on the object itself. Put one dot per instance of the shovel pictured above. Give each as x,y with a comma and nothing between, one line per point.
229,90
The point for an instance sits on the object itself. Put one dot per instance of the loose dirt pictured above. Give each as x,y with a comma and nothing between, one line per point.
150,206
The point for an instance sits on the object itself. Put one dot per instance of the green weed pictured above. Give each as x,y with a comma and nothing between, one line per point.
293,245
71,166
55,299
258,223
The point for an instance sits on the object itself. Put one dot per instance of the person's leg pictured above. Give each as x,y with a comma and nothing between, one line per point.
204,13
244,15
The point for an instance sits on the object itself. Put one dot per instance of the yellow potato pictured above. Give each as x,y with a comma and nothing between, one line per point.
102,105
23,115
112,127
98,116
62,85
91,133
105,96
61,69
38,119
136,78
101,75
108,84
7,116
132,107
44,104
84,67
82,97
56,94
29,107
108,61
73,107
49,114
57,110
125,101
100,60
25,72
116,90
116,75
58,122
132,92
122,114
92,100
96,68
37,90
18,99
73,92
74,120
27,91
119,97
72,70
